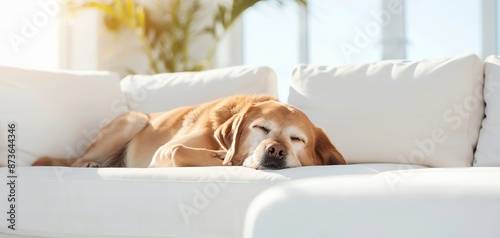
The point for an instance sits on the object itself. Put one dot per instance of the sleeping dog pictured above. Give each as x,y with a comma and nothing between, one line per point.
254,131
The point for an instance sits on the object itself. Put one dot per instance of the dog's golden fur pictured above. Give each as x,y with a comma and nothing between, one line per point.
255,131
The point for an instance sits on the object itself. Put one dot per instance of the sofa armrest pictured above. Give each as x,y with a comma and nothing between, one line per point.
416,203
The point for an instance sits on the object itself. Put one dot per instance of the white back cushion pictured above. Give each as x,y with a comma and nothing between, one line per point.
488,146
163,92
57,113
423,112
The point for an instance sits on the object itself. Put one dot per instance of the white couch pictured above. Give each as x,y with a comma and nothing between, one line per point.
414,134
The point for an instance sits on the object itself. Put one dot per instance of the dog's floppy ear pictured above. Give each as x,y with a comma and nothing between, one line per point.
326,153
228,135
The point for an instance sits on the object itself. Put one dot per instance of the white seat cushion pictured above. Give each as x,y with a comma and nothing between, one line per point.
458,203
57,113
165,202
163,92
488,145
419,112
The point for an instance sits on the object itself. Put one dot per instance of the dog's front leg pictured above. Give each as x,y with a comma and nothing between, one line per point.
184,156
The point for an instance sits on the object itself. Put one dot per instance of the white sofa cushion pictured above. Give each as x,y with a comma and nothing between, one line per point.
422,112
163,92
488,145
57,113
163,202
458,203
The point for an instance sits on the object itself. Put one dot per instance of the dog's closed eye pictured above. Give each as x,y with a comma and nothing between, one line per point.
262,128
296,139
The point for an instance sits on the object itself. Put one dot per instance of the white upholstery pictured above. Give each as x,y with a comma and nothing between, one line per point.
81,202
163,92
488,145
57,113
458,203
424,112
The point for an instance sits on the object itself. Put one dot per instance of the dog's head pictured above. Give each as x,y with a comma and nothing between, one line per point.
274,135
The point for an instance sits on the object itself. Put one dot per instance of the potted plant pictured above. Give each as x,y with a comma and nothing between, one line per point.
166,29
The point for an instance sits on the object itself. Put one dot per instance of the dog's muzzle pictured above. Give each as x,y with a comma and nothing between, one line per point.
274,157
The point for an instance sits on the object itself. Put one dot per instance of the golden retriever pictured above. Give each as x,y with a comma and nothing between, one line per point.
254,131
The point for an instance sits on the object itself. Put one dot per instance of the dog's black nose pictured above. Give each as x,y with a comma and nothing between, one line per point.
274,157
276,150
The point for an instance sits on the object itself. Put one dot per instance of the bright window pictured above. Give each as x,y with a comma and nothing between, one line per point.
443,28
343,32
30,34
497,21
271,38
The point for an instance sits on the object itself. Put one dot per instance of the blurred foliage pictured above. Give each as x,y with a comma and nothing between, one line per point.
166,28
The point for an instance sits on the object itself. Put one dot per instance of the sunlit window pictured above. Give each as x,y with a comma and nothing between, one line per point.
344,32
497,20
30,34
271,37
435,29
280,36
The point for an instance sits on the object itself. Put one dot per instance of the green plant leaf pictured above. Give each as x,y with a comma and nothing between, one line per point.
141,17
165,31
129,6
108,9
